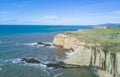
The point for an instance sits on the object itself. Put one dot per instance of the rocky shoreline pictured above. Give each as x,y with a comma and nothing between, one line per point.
53,65
90,54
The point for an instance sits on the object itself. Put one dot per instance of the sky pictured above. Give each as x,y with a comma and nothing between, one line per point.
59,12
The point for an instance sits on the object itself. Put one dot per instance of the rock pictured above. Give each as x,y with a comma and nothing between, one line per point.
45,44
54,65
30,60
64,66
39,43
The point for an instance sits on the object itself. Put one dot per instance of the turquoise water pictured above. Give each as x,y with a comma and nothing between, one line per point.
17,41
17,29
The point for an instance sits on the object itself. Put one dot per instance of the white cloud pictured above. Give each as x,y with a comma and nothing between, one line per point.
52,17
59,20
116,12
99,18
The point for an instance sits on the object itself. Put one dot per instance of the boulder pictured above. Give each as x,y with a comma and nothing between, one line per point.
30,60
45,44
54,65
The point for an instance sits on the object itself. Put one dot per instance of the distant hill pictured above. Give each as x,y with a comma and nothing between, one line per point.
110,24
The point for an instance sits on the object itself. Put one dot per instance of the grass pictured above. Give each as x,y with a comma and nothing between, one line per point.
108,38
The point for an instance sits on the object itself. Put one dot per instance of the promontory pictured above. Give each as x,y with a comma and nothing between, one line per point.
93,47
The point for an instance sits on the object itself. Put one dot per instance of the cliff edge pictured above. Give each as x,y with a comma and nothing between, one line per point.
93,48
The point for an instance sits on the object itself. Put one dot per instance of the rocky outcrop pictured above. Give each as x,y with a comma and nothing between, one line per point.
53,65
30,60
43,43
89,54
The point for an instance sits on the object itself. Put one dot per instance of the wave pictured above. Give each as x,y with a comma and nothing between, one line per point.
94,70
0,69
51,46
14,61
35,65
58,58
30,44
69,53
50,43
18,61
47,43
36,44
39,46
57,74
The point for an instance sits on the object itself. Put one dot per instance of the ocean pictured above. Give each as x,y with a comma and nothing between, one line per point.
18,41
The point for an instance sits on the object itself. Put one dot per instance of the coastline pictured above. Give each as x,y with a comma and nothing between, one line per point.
16,47
89,53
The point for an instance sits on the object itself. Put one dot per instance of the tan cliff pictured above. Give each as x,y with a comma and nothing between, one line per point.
90,54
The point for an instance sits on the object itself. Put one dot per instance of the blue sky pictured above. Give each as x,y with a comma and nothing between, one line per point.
60,12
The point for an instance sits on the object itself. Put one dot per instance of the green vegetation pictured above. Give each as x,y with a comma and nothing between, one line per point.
108,38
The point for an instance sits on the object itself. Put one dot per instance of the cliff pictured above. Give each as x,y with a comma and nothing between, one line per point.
90,54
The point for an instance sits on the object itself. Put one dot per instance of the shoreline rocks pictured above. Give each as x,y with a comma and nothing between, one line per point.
45,44
30,60
53,65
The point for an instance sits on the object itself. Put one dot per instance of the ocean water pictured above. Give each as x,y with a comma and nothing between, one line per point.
17,41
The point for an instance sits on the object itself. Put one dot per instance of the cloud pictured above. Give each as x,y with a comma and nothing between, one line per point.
98,18
52,17
116,12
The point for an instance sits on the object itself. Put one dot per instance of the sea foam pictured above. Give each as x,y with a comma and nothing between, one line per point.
30,44
35,65
38,45
16,60
0,68
52,46
69,53
57,74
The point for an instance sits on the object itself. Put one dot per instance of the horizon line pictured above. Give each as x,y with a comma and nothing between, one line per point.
60,24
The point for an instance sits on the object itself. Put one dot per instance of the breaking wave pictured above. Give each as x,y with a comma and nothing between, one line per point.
35,65
50,45
18,61
30,44
0,69
57,74
69,53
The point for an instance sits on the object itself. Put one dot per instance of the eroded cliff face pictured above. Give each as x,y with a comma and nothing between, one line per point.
89,54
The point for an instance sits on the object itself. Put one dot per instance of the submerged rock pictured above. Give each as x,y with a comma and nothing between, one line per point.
63,65
45,44
54,65
30,60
